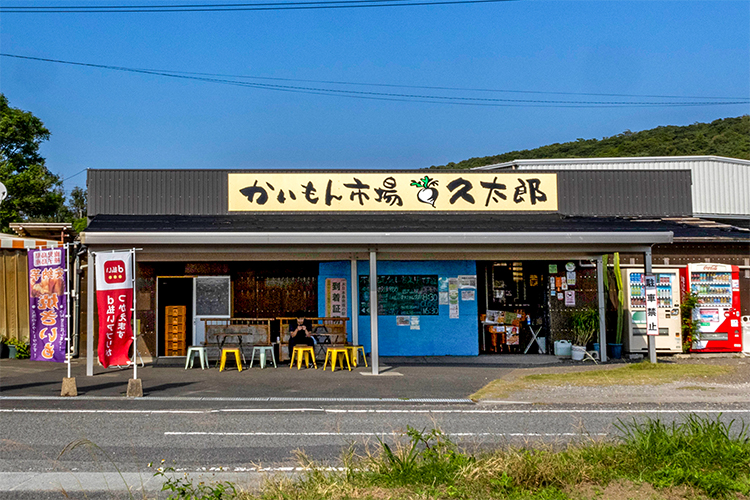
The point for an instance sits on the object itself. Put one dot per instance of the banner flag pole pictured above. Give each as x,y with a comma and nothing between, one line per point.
135,323
67,310
135,386
69,387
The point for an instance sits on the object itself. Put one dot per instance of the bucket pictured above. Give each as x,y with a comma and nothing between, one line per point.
562,348
596,346
615,351
578,352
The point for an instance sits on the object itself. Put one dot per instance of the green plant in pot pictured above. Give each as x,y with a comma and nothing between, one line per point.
585,323
617,296
17,348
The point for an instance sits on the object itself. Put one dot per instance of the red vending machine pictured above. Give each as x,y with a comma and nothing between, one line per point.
718,312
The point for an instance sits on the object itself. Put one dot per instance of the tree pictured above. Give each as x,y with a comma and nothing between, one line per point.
34,193
724,137
78,202
78,207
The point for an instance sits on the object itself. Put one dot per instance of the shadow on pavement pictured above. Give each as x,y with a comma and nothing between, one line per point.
176,385
6,388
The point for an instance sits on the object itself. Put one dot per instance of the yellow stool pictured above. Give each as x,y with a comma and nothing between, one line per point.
333,352
303,352
354,354
230,350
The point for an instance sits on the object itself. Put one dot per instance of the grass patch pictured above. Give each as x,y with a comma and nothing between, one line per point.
698,458
644,373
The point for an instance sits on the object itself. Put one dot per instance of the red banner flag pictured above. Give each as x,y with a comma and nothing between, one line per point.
114,298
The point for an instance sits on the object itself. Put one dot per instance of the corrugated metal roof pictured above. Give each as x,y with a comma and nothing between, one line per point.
721,186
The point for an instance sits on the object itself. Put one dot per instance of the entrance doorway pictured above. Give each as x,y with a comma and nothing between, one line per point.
514,296
173,291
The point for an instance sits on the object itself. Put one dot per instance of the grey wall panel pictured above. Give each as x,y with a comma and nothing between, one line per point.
625,193
157,192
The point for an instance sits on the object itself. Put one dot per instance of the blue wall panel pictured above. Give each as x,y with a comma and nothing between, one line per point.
437,336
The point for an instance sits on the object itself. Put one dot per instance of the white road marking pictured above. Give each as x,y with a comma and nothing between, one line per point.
372,434
412,411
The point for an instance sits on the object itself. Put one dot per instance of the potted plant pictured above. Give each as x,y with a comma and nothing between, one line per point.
617,296
585,323
17,348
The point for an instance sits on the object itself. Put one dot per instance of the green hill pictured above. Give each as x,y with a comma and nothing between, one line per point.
726,137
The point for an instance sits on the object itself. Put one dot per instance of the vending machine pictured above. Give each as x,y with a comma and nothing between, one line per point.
669,339
717,287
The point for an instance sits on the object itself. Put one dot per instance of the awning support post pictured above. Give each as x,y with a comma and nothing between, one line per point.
651,339
374,313
354,302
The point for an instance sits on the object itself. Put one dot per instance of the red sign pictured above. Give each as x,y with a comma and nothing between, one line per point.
114,272
114,298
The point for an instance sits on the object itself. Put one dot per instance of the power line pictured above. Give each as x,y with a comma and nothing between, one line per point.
428,87
78,173
472,101
343,4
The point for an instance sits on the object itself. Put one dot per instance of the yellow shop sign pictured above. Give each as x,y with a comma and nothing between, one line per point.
392,191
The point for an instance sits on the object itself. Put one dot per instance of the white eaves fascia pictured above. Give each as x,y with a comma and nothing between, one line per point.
379,238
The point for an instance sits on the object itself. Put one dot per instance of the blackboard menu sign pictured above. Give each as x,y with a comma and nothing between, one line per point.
401,295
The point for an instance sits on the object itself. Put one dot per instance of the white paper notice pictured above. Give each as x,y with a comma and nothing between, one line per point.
467,281
443,298
414,322
467,295
453,297
571,275
570,298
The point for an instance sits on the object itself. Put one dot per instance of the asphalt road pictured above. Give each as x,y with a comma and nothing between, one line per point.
239,426
245,439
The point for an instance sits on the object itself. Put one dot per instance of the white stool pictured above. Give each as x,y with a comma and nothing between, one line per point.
262,350
191,352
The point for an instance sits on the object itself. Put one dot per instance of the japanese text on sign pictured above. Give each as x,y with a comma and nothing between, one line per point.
652,316
114,296
336,297
388,191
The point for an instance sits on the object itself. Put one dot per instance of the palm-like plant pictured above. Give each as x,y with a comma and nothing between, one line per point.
585,323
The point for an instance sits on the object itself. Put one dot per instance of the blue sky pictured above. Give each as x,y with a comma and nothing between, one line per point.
110,119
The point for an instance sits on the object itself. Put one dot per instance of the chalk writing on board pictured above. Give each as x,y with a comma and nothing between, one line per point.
401,295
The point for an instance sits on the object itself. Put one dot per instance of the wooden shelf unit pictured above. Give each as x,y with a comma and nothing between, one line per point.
175,331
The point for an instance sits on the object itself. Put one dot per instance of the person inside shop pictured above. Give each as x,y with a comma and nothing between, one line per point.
300,332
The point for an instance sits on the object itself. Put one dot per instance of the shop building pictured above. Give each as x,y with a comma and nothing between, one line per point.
443,247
